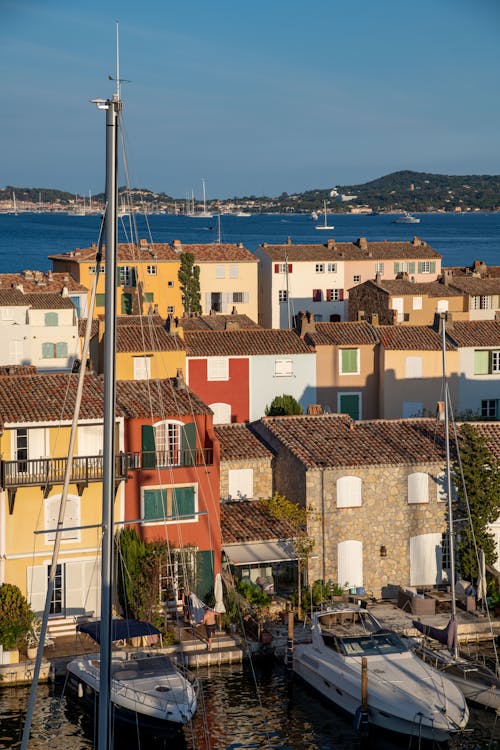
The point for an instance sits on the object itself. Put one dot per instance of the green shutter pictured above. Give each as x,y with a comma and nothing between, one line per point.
189,444
118,276
99,300
420,266
61,349
51,319
183,503
155,505
148,447
133,276
126,305
396,267
433,266
149,297
411,267
349,360
47,350
349,404
204,573
481,362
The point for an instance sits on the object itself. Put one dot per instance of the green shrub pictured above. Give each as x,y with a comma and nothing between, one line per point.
16,617
253,593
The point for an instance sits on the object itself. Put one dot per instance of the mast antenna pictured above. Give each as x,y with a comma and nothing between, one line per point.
118,80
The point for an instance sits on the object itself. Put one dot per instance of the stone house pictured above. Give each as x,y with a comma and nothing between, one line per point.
376,492
245,464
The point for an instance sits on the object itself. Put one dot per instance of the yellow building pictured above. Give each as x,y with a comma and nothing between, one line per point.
145,350
37,411
147,277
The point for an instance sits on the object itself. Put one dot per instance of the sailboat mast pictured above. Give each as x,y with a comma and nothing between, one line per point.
451,529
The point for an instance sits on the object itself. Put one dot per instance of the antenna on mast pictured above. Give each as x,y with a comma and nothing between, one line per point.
118,80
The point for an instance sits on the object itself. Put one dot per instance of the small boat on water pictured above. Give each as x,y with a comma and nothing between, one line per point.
148,689
403,695
325,224
406,218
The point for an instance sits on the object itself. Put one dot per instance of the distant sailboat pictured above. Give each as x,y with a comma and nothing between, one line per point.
325,225
204,214
14,204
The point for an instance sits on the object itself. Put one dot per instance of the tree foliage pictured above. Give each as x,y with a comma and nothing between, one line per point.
189,279
480,493
282,406
16,616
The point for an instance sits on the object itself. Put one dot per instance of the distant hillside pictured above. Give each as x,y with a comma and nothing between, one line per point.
405,190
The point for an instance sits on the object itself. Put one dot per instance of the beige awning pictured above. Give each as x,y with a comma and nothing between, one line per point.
259,552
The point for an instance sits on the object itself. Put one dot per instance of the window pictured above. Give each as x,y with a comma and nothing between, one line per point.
171,309
282,268
349,361
426,266
445,551
71,518
218,368
486,362
21,449
100,300
481,302
239,297
151,270
320,267
54,351
168,443
233,272
417,303
125,274
220,272
93,269
349,403
317,295
149,297
356,278
282,295
167,504
442,305
331,268
222,413
6,313
349,492
75,301
413,367
240,484
418,487
51,319
142,368
283,368
489,408
398,306
379,267
170,284
333,295
15,351
404,266
126,304
167,437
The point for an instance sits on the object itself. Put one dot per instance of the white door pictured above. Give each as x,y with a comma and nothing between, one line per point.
350,563
425,560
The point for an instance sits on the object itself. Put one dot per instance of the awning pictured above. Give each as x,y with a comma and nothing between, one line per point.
121,629
259,552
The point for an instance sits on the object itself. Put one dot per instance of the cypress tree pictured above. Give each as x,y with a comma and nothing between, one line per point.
189,279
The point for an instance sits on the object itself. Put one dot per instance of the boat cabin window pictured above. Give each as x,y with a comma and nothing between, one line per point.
372,645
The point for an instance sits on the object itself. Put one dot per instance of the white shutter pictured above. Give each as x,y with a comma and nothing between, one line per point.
417,303
222,413
246,297
348,492
218,368
425,560
208,302
15,351
398,305
81,586
227,299
71,517
283,367
90,440
38,442
418,487
142,368
350,563
240,483
413,367
442,305
36,586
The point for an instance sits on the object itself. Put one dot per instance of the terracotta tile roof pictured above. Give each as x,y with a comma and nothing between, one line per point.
39,282
82,325
338,334
350,251
406,287
474,333
238,443
249,521
139,320
48,398
12,298
148,338
243,343
216,253
424,338
475,285
18,370
141,398
48,301
126,251
217,322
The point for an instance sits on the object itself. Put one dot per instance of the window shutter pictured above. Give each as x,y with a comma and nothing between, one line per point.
481,361
349,360
208,302
433,266
411,267
289,268
47,350
396,267
61,349
133,276
118,275
341,295
246,297
183,502
420,266
189,444
155,505
276,268
148,447
126,306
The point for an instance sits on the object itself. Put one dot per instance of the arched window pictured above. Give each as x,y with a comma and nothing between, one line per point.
168,443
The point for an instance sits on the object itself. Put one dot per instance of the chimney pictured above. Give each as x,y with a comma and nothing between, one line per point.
179,382
314,409
331,244
143,243
374,319
305,324
440,411
64,292
378,278
177,245
288,240
362,243
49,275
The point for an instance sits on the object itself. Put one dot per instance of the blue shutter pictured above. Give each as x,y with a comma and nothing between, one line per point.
183,503
148,447
155,505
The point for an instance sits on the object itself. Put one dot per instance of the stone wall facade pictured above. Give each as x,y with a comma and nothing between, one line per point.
262,476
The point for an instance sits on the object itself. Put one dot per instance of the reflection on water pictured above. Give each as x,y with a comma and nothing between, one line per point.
235,711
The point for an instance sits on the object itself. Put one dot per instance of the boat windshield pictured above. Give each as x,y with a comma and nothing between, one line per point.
372,645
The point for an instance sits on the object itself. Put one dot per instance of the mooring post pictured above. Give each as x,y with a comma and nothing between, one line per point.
289,643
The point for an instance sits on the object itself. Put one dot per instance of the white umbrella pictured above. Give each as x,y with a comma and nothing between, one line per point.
219,603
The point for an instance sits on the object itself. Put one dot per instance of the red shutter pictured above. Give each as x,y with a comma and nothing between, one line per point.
276,268
341,295
289,268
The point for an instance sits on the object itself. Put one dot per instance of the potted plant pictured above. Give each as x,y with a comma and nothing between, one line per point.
16,619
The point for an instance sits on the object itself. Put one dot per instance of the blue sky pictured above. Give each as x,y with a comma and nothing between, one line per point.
258,97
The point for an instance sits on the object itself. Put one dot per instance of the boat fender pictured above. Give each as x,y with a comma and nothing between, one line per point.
361,724
80,690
